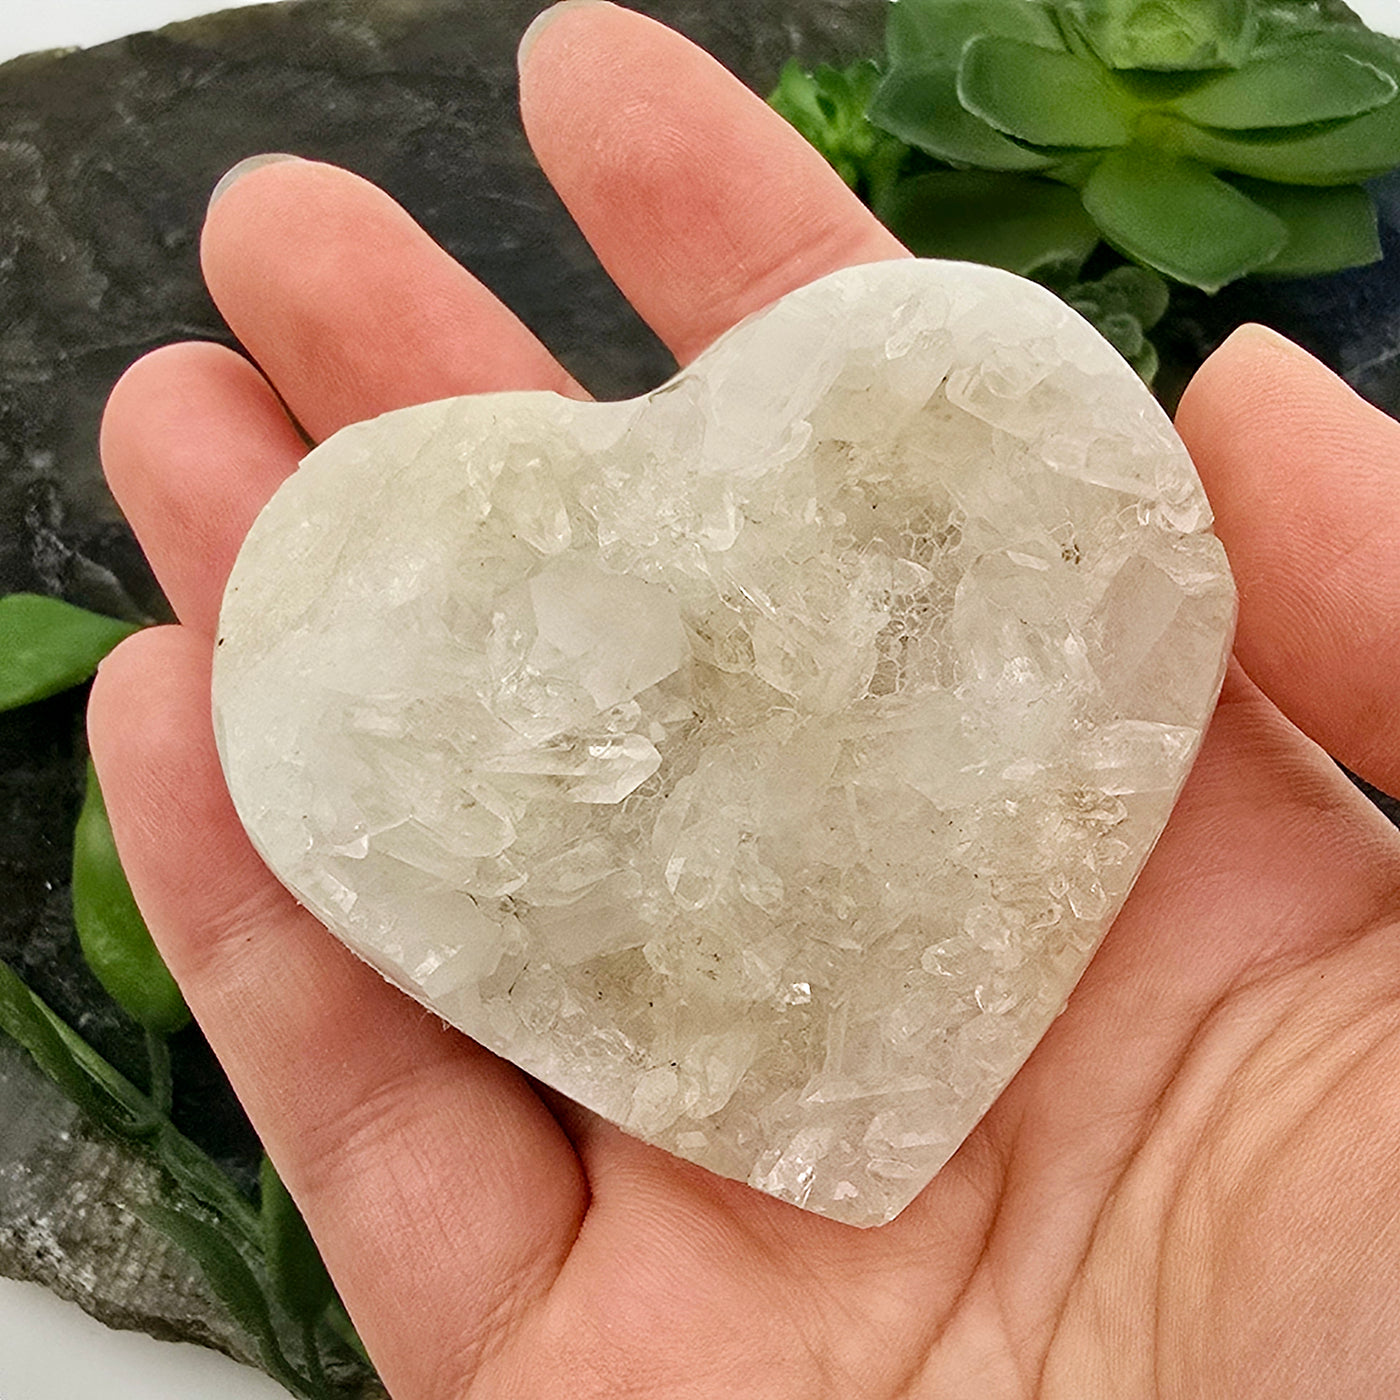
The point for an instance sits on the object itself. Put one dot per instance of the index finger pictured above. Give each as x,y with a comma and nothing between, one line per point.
700,200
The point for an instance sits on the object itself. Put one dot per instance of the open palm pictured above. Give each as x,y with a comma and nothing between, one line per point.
1191,1187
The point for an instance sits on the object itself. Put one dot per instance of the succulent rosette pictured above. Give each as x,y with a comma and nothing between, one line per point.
1206,139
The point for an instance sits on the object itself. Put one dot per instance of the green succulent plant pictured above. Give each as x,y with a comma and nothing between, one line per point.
828,106
1206,139
1125,304
1039,229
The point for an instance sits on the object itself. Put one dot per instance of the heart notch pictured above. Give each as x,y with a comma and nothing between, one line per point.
758,762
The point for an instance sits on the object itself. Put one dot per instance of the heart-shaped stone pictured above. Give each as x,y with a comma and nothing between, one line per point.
760,761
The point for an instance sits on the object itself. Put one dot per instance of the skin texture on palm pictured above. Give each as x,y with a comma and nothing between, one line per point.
1189,1189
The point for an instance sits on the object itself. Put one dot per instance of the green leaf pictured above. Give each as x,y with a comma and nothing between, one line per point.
25,1018
1328,229
828,107
1013,221
931,33
1164,35
1122,331
1135,291
798,98
47,645
299,1279
202,1179
339,1326
1289,89
234,1283
115,940
1290,28
921,107
1146,362
1123,305
113,1102
1049,99
1175,216
1345,154
1130,292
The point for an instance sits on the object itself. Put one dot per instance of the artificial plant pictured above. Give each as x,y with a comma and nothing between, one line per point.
1203,140
259,1260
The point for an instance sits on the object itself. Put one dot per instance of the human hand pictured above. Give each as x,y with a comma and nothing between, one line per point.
1188,1190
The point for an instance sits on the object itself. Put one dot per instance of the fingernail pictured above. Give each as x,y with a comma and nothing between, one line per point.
242,168
541,22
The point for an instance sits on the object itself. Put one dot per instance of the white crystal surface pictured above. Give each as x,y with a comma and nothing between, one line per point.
759,761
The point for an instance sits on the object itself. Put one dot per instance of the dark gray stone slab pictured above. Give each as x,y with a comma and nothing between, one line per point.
106,161
107,158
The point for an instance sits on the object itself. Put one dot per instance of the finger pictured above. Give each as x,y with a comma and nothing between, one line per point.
1271,862
349,307
700,200
193,444
442,1193
1305,480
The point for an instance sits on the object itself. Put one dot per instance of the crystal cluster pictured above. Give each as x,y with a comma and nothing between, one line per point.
758,761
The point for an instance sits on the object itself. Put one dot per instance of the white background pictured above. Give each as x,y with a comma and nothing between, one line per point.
39,24
49,1350
56,24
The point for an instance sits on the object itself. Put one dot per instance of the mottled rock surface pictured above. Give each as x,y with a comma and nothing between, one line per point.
106,161
758,761
107,158
66,1199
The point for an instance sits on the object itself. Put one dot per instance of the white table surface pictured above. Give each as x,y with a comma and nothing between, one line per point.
1381,15
56,24
50,1350
43,24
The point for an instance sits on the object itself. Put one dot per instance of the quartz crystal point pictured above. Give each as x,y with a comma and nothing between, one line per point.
760,761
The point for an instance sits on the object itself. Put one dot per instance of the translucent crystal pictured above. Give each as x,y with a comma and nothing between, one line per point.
760,761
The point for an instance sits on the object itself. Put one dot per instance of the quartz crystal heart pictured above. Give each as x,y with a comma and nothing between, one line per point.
759,761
